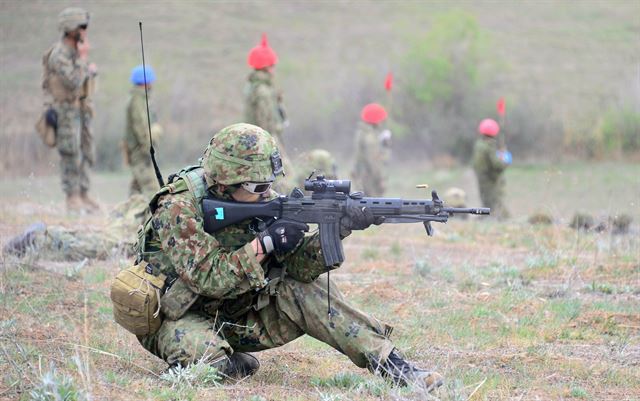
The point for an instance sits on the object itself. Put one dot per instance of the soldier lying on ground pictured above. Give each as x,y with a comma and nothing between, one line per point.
61,243
213,303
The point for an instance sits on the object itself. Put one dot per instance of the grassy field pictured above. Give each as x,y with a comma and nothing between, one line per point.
503,310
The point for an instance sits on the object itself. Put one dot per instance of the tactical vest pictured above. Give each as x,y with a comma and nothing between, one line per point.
177,297
52,83
188,179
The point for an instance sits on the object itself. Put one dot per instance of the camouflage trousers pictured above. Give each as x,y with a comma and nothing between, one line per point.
73,165
369,180
298,309
492,196
60,243
144,179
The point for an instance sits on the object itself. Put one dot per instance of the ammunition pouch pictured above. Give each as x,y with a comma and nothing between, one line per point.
135,293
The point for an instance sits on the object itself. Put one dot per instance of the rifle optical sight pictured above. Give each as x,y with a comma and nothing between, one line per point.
320,185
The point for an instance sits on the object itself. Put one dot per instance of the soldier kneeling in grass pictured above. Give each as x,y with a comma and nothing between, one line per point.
244,288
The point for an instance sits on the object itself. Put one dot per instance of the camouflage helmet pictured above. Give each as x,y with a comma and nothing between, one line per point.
241,153
322,162
71,18
455,197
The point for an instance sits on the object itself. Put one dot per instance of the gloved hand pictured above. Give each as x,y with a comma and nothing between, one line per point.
282,236
358,218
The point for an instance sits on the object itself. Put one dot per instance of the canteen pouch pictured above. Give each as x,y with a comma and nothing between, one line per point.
135,293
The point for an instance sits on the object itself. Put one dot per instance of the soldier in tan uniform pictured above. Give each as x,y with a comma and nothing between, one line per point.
136,139
372,145
67,83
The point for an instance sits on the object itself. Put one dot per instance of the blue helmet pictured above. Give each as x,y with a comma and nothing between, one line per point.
137,75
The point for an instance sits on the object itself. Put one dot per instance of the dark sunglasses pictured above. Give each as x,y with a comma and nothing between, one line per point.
83,26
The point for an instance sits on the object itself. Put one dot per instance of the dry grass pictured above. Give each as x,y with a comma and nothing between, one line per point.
503,310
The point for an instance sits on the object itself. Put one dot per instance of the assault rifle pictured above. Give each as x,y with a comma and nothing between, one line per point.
327,204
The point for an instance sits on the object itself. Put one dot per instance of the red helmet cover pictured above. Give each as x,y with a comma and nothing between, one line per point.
373,113
488,127
262,56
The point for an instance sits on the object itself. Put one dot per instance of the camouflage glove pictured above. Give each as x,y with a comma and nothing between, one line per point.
282,236
358,218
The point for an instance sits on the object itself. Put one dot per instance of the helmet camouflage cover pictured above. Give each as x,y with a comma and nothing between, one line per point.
321,161
241,153
71,18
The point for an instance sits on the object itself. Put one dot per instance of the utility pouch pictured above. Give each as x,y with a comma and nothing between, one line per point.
177,300
135,293
47,126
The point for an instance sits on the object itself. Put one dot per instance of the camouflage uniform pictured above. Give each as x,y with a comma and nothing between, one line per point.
64,77
61,243
86,133
136,142
489,169
263,104
264,108
371,159
236,308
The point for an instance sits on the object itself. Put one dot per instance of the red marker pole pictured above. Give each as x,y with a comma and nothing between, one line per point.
501,108
388,85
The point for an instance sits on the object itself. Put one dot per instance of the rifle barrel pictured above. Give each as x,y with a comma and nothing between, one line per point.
467,210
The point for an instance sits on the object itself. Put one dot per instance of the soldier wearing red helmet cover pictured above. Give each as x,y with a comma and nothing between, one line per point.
263,101
489,164
372,144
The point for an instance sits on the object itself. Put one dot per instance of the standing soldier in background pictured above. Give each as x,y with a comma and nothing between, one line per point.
136,140
67,105
373,146
489,164
263,102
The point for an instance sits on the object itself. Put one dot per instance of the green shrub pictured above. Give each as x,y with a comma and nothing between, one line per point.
620,130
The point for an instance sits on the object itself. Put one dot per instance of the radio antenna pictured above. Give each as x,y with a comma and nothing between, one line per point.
152,151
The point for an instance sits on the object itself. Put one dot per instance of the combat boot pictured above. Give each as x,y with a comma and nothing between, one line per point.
240,365
90,204
19,244
74,203
403,373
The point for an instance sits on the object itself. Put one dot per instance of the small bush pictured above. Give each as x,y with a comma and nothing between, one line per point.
194,375
56,387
